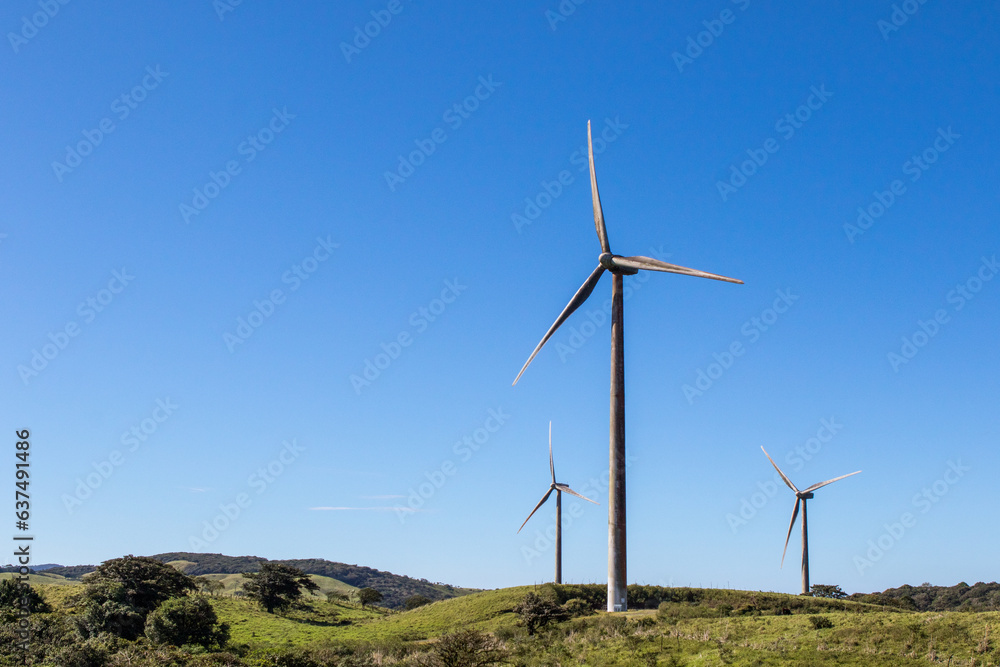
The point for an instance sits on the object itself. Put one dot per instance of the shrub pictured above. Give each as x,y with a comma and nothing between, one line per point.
468,648
536,612
415,601
820,622
181,621
578,607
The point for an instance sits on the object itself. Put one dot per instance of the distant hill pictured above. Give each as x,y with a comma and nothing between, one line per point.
395,588
960,597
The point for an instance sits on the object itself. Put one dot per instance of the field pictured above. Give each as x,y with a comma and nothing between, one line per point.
692,627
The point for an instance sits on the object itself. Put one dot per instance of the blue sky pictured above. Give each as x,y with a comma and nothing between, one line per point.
217,216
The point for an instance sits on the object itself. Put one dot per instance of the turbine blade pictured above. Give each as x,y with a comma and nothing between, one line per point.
795,513
574,303
829,481
564,487
552,466
650,264
787,481
602,232
540,503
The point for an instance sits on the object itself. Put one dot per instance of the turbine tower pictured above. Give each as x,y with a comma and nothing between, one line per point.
558,488
618,266
801,497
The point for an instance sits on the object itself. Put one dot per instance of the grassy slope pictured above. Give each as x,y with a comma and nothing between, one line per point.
694,634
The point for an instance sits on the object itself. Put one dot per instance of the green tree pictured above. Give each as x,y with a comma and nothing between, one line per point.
369,596
210,586
277,586
826,591
536,612
415,601
15,595
180,621
121,593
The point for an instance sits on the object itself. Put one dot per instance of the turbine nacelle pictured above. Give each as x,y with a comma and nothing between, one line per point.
607,260
805,495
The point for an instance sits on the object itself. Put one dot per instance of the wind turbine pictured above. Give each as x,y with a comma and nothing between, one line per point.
558,488
618,266
801,497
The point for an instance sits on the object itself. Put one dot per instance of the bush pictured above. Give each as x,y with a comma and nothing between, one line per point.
14,594
468,648
181,621
417,601
820,622
578,607
536,612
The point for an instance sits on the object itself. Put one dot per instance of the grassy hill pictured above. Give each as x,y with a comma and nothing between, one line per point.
395,588
684,627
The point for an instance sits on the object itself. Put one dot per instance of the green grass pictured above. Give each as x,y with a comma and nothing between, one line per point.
699,627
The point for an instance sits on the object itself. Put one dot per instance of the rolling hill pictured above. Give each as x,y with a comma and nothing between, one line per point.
339,577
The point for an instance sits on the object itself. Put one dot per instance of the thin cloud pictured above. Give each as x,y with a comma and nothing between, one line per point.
365,509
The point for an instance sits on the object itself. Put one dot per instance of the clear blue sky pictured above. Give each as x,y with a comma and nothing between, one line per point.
248,153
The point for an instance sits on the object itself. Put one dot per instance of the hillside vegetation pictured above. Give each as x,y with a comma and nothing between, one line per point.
678,626
395,588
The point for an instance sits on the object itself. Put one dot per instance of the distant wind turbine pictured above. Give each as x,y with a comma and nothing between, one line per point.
618,266
558,488
801,497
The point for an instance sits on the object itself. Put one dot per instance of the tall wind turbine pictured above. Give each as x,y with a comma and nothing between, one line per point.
801,497
558,488
618,266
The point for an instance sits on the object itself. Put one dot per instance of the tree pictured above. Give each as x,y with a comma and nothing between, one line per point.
180,621
415,601
468,648
277,586
369,596
121,593
210,586
335,596
825,591
536,612
15,596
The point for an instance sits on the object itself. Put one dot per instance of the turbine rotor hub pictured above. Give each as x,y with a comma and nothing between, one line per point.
805,496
